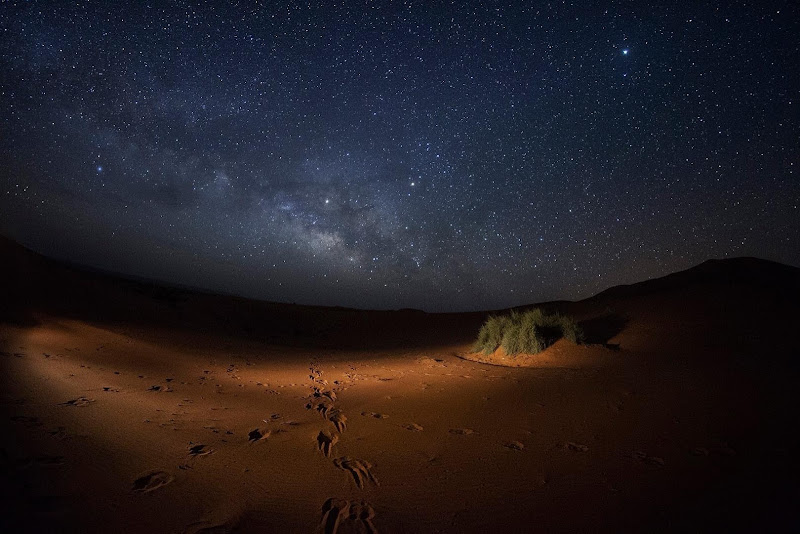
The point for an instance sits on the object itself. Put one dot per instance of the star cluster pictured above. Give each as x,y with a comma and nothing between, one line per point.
437,155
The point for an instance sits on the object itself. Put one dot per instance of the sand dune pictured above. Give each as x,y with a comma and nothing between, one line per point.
131,407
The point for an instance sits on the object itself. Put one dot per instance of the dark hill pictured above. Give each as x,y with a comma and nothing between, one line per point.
755,296
745,271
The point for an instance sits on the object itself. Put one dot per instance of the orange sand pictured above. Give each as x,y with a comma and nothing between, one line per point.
132,408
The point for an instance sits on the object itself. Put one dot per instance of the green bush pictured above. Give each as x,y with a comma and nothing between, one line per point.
531,335
530,332
511,341
571,331
491,334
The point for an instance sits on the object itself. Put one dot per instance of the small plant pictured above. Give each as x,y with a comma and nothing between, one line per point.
531,336
571,331
530,332
491,334
512,342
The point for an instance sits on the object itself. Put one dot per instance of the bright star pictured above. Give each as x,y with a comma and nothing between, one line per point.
99,168
625,52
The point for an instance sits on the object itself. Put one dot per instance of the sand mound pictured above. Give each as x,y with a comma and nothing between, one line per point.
677,415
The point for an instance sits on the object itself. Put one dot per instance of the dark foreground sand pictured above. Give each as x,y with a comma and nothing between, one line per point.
129,408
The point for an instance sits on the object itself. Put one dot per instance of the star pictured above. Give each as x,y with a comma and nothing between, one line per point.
309,149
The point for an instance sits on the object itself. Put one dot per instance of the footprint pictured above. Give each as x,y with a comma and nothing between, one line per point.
151,481
357,514
413,427
360,469
26,420
322,404
462,431
59,433
649,460
44,460
375,415
48,460
326,441
199,450
515,445
257,434
723,449
212,527
577,447
329,394
80,402
339,420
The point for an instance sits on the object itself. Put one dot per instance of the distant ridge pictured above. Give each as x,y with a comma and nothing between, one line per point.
29,277
748,271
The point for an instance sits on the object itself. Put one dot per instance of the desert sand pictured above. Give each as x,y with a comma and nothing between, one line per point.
132,407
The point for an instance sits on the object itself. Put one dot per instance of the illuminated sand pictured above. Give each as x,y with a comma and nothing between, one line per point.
143,428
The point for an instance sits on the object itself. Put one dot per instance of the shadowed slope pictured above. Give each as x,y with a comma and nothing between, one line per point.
759,296
732,272
135,407
34,284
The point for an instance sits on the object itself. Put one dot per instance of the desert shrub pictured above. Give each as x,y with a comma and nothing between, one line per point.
530,332
571,331
531,337
511,341
491,334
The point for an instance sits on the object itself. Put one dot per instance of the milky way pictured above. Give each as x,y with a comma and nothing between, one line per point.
444,156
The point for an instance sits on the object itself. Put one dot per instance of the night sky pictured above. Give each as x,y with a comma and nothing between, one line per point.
435,155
